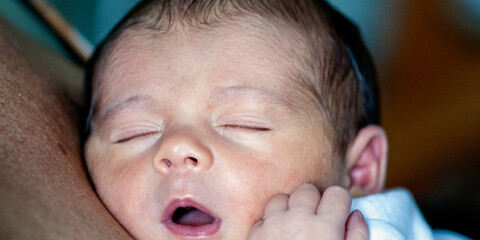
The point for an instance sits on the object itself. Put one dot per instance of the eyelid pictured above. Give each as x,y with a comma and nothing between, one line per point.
128,133
248,123
132,136
247,127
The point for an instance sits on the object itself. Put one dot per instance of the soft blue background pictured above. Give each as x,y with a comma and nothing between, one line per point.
94,18
378,20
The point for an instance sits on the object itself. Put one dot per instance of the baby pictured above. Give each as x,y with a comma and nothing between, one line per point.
226,119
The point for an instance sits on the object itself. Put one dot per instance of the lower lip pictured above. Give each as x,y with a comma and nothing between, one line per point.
193,231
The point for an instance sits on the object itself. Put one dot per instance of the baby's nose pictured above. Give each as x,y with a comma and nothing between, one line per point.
180,152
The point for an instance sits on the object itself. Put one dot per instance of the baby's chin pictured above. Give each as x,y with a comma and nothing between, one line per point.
216,229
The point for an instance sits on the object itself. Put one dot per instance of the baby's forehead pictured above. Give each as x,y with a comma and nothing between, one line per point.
243,47
230,56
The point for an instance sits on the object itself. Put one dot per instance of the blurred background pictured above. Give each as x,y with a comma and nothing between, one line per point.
428,61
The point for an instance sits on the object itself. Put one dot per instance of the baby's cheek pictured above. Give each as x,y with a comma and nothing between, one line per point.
291,181
248,199
121,186
258,194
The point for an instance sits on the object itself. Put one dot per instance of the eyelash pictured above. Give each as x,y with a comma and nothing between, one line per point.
249,128
126,139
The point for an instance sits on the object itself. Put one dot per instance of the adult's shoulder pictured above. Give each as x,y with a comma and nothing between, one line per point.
44,188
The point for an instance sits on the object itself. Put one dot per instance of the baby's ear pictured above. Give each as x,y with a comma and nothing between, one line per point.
366,161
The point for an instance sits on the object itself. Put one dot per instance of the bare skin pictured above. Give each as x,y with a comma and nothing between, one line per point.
44,190
158,138
305,214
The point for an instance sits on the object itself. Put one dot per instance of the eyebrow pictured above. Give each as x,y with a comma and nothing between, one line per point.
115,107
240,91
226,93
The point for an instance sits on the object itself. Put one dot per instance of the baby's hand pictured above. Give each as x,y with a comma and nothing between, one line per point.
307,215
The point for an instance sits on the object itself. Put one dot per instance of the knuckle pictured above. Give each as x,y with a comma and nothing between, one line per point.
277,200
306,187
280,197
336,191
332,220
306,192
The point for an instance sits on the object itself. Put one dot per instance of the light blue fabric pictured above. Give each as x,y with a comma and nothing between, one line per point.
395,215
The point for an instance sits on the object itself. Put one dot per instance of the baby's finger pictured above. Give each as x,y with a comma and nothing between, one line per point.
356,227
335,204
278,203
305,197
255,229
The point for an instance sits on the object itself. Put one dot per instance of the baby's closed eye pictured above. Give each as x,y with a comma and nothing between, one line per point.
129,132
240,125
248,127
133,134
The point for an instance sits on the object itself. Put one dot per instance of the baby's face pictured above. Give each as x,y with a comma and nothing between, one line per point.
192,135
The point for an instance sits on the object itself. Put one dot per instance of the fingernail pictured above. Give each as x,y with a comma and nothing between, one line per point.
359,214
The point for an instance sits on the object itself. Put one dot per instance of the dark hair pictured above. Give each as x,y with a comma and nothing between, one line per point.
344,80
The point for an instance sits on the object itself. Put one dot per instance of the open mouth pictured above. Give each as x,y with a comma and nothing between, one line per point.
191,216
189,219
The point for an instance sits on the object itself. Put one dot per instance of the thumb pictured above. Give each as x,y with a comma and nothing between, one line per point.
356,227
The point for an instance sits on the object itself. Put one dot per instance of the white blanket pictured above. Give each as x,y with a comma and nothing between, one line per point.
395,215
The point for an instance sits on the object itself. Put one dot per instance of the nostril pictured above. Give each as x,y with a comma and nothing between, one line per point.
167,162
193,160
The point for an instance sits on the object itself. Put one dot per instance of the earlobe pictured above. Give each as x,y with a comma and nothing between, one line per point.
366,161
